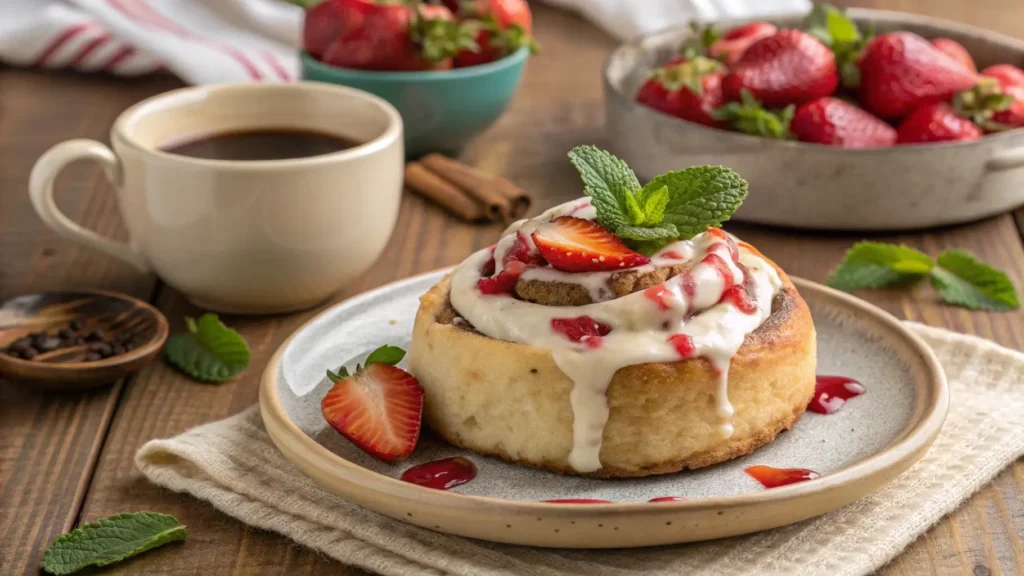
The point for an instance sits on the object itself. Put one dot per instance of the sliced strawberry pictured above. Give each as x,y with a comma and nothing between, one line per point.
522,251
1006,74
576,245
582,329
504,282
379,409
731,46
955,50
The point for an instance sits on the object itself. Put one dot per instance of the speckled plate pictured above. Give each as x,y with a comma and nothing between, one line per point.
872,439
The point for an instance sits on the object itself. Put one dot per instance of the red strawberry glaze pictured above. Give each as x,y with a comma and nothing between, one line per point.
832,392
443,474
523,252
683,344
720,266
505,281
667,499
774,477
577,501
658,294
671,255
738,296
582,329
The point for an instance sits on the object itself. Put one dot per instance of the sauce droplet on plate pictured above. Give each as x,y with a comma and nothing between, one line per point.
831,392
774,477
667,499
443,474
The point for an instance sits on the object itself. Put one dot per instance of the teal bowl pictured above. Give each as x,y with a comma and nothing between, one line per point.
441,110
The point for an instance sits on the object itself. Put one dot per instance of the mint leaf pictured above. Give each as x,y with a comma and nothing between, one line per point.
647,207
209,351
962,280
700,197
109,541
662,231
607,180
389,355
874,265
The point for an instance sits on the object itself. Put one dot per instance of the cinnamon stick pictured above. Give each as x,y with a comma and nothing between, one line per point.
426,183
500,197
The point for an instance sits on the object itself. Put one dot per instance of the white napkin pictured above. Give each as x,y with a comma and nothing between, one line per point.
233,465
212,41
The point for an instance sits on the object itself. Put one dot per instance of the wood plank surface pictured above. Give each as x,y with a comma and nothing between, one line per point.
49,444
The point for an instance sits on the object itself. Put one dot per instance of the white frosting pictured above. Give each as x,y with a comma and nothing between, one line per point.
640,327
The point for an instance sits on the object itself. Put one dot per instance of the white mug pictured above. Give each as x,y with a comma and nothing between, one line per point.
262,236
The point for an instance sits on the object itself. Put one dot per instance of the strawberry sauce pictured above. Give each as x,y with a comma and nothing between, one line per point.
443,474
832,392
683,344
658,294
739,297
582,329
720,266
577,501
774,477
667,499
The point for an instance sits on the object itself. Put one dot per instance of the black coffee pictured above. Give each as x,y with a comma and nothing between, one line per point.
269,144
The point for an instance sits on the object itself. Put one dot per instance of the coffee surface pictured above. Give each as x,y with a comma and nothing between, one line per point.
265,144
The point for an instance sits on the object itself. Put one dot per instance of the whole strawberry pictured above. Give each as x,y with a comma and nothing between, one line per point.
1013,115
731,46
838,123
936,122
789,67
504,27
689,90
955,50
901,72
1006,74
366,35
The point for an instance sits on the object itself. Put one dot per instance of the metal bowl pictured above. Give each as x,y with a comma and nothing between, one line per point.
803,185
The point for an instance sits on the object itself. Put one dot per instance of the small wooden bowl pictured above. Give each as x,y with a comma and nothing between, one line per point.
67,368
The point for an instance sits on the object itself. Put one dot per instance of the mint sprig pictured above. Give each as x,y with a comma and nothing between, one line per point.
959,278
109,541
386,354
209,351
674,206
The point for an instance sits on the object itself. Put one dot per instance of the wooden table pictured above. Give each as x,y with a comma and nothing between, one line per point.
67,458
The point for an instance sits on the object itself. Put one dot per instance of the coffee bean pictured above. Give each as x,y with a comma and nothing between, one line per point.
76,325
123,337
65,333
26,341
92,357
48,344
94,336
118,349
129,346
29,353
79,340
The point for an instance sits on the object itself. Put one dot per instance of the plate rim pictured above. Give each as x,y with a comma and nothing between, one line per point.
904,452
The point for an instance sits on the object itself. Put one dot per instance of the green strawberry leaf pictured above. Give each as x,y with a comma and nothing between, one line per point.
304,4
874,265
109,541
209,351
440,39
836,30
338,375
607,180
700,197
389,355
964,281
701,38
749,117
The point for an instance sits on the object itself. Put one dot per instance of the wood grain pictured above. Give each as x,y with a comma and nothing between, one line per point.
48,444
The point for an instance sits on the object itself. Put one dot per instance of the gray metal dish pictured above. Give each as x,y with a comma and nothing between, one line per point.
823,187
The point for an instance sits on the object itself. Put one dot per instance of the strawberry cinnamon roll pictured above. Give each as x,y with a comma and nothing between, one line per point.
571,345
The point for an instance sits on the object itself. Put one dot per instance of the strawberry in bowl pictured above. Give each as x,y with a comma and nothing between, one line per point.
857,119
450,73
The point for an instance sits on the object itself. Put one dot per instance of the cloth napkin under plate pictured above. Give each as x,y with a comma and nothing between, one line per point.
233,465
206,42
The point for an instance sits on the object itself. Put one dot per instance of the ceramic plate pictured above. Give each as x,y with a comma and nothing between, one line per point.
873,438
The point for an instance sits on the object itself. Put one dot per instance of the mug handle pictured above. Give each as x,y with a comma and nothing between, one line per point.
40,190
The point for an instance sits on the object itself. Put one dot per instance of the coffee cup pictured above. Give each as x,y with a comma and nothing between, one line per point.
240,235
